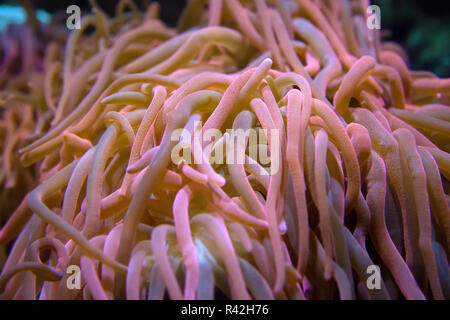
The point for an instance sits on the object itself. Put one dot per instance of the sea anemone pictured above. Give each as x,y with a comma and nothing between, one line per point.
27,50
359,181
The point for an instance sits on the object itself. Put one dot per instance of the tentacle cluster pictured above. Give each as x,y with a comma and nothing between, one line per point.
361,176
28,54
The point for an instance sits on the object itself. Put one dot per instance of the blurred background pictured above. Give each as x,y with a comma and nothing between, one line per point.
421,27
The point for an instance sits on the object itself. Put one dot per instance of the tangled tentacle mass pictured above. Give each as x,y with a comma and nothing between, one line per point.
357,183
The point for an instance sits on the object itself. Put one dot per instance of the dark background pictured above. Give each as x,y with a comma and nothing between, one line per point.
422,27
